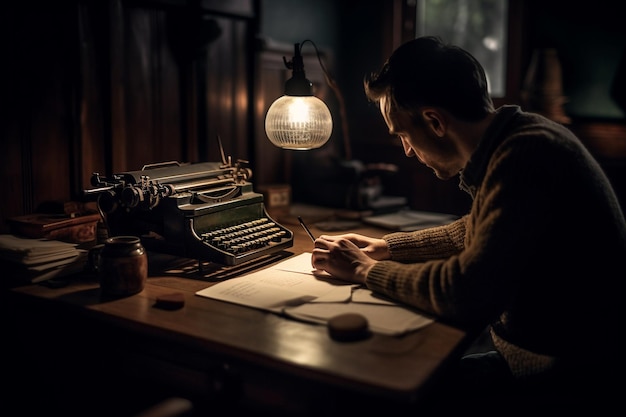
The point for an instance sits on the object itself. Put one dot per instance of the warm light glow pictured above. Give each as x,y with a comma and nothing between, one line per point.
298,122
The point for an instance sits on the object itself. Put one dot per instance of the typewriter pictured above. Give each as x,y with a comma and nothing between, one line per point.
206,211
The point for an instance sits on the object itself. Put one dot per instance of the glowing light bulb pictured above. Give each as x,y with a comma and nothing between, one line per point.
298,122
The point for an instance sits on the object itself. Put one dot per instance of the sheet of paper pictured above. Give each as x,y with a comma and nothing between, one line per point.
298,263
293,288
59,271
392,320
363,295
285,284
79,255
302,264
29,246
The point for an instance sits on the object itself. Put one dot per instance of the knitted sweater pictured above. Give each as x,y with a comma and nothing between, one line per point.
540,257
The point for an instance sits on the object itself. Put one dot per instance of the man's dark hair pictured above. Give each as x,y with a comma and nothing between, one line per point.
427,72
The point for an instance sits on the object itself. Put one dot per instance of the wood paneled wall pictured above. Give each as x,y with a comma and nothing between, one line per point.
111,85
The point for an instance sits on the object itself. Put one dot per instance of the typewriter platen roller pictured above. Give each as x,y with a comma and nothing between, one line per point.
206,211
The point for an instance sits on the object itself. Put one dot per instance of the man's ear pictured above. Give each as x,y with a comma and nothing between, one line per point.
435,121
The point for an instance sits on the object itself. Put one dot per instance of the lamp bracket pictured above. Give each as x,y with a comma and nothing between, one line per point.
288,64
297,85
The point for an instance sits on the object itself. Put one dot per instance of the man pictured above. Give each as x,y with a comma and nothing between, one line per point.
539,259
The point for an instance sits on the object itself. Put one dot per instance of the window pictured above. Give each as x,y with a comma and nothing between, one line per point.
479,26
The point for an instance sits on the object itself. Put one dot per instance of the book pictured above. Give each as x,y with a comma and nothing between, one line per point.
292,288
75,228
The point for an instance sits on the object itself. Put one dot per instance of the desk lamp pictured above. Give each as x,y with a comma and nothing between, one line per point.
298,120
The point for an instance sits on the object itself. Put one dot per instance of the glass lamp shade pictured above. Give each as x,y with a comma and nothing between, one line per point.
298,122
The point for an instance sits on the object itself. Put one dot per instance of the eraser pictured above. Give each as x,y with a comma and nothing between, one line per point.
171,301
348,327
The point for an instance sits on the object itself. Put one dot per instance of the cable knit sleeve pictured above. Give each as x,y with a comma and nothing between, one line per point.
432,243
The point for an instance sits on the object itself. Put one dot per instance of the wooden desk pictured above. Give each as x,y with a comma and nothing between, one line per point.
216,353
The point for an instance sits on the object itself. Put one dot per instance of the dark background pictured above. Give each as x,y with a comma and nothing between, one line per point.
112,85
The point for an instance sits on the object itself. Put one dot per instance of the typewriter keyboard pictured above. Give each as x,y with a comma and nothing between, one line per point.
244,237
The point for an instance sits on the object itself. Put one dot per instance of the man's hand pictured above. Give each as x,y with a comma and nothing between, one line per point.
348,257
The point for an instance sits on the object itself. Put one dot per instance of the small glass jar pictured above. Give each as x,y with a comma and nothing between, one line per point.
122,266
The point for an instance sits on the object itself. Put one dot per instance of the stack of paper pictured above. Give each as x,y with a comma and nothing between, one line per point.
37,260
292,288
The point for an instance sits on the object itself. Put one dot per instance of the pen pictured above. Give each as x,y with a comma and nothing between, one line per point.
306,229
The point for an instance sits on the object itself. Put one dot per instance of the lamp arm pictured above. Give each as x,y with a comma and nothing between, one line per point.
342,105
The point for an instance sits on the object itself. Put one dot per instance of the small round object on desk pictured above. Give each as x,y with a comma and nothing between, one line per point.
348,327
171,301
